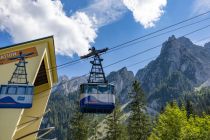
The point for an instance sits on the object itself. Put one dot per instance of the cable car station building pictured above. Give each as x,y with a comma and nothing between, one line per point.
35,62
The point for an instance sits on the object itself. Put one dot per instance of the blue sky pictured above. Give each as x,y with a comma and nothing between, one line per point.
80,24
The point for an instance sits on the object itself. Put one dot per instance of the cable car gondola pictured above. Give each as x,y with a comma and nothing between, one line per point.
96,96
18,93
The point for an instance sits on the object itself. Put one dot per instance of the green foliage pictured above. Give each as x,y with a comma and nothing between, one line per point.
199,100
61,107
169,124
94,130
189,109
197,128
173,124
78,127
170,88
138,123
115,130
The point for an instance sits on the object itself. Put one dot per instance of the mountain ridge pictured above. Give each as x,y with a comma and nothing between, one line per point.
181,66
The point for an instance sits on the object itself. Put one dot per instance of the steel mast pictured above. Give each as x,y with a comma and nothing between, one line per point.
19,76
97,73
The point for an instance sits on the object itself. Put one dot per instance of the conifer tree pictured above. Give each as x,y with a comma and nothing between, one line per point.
96,134
78,127
115,130
189,108
138,122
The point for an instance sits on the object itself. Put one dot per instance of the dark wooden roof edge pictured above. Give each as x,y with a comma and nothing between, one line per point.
27,42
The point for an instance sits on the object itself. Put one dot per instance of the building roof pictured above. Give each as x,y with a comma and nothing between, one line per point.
26,42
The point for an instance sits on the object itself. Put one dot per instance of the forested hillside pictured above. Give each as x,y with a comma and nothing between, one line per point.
70,124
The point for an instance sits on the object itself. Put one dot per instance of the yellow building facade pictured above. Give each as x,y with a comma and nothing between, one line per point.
20,123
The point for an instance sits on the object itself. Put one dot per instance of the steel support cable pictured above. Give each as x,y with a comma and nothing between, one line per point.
153,47
122,44
133,43
46,130
121,60
205,38
144,60
178,23
128,45
30,122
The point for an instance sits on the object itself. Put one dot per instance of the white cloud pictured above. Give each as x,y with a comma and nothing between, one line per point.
26,20
105,11
31,19
146,12
200,6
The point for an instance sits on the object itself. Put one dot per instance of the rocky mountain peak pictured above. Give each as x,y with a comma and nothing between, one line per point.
63,78
207,45
180,67
124,73
122,80
67,86
124,69
171,38
176,44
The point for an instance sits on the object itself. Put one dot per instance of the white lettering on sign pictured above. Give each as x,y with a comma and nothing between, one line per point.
6,58
8,55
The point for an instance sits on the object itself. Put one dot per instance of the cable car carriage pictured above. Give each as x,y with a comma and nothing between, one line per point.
16,96
18,93
96,96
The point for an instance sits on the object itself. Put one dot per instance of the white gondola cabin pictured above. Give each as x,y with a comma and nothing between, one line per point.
97,98
16,96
